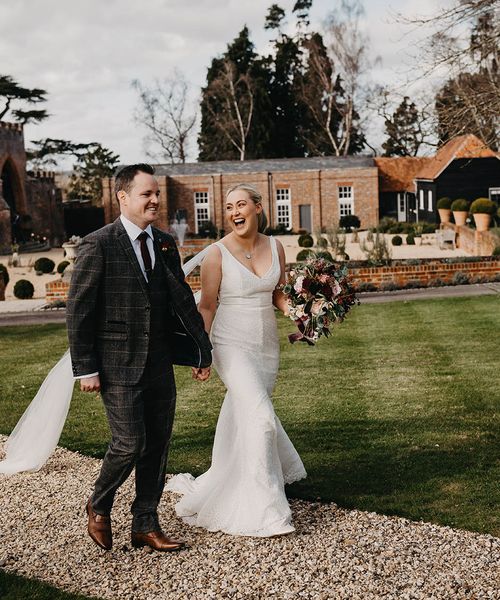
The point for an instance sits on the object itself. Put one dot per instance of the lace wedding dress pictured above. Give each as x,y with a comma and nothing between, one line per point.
243,491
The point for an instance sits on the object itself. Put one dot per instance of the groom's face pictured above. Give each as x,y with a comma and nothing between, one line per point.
141,204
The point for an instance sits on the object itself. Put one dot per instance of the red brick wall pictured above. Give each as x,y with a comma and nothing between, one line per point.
56,290
402,274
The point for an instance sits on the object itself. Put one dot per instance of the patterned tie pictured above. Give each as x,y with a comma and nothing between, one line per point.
146,257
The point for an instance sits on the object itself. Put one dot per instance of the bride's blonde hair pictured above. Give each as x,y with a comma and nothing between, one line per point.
256,197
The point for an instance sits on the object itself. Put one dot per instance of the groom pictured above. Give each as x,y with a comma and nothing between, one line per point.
127,290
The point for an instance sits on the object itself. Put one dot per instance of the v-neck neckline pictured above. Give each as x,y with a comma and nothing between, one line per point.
246,268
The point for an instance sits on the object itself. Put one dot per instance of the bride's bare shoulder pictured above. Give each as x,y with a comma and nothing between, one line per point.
214,256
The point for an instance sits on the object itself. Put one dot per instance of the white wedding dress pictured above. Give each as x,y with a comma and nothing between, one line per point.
243,492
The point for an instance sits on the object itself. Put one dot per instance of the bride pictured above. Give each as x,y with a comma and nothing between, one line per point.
243,492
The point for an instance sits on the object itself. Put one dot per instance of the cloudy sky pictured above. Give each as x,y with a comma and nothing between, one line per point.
86,53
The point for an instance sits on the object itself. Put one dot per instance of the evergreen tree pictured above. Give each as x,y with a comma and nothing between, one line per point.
11,91
86,181
236,89
404,134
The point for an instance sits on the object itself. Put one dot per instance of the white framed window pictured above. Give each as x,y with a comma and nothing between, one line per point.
201,209
346,200
429,201
421,199
494,194
284,207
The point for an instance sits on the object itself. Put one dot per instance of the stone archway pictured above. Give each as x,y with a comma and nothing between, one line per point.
12,204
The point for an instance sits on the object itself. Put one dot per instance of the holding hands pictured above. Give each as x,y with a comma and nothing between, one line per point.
201,374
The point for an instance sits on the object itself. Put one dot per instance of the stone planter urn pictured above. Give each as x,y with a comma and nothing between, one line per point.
444,215
70,249
482,221
460,217
418,240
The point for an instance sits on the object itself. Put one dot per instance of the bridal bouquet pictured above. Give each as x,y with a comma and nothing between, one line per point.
319,294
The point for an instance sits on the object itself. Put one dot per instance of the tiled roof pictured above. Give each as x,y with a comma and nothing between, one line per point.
463,146
396,174
271,165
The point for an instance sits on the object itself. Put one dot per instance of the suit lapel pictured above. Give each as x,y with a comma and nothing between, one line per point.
126,245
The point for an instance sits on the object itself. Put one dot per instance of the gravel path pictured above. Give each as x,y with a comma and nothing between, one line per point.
335,553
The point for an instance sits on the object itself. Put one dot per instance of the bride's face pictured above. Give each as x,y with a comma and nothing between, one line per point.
242,213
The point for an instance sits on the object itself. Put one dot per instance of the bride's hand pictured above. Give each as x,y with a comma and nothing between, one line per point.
90,384
201,374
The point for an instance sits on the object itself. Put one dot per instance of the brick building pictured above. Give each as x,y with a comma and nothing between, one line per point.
29,202
300,193
464,167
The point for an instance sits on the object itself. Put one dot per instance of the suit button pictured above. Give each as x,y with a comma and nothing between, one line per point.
146,334
148,307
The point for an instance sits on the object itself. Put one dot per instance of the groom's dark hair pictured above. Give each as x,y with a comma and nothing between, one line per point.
125,176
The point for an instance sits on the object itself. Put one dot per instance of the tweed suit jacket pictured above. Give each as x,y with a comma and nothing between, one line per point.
108,309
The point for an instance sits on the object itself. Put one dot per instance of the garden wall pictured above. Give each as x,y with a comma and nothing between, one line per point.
477,243
429,272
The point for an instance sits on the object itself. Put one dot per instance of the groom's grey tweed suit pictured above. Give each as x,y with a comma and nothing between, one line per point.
118,325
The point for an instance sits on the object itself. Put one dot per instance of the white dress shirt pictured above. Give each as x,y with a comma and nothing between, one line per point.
133,232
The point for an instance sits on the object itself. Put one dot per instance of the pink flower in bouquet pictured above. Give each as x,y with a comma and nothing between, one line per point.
336,288
298,284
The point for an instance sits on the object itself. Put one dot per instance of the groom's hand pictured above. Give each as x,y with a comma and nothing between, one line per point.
90,384
201,374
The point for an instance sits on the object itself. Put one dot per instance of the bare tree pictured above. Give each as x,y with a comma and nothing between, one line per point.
467,64
338,71
230,101
164,110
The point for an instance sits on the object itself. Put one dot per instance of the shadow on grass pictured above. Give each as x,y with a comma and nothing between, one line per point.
15,587
413,468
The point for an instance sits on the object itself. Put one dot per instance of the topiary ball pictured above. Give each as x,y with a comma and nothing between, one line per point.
5,274
410,239
325,255
397,240
44,264
61,266
305,241
444,203
483,206
460,205
23,289
304,255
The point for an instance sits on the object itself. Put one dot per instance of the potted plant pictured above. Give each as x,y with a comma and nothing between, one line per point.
444,209
482,209
460,210
418,228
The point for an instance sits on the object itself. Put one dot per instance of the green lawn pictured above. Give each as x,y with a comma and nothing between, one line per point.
397,413
14,587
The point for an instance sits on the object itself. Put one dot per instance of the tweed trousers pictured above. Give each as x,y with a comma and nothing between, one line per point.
141,419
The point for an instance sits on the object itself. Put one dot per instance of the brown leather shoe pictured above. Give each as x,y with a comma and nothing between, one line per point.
99,528
156,540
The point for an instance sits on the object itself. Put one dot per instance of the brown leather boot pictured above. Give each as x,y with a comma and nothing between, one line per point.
156,540
99,528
